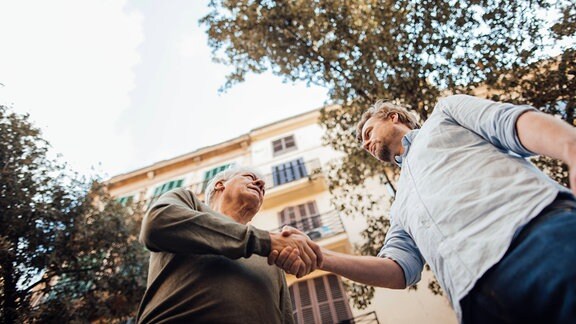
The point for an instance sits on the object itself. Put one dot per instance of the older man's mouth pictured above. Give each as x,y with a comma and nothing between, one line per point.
257,190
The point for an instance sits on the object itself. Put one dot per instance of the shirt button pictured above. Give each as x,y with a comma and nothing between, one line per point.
425,223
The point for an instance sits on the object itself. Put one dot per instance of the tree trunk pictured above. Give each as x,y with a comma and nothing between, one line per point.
9,313
570,106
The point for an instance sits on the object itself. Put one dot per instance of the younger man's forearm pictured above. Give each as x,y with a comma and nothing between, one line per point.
374,271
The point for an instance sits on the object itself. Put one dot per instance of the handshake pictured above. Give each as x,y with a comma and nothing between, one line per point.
294,252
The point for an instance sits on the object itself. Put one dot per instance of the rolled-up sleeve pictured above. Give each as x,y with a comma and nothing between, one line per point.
493,121
400,247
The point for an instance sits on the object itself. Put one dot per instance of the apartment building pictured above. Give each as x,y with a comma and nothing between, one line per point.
290,155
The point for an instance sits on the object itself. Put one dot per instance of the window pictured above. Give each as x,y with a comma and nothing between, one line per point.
320,300
304,217
289,171
167,187
283,145
126,200
208,175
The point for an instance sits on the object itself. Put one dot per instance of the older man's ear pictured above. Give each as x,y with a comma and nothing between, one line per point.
219,186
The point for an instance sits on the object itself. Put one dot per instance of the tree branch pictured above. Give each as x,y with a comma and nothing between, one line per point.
321,58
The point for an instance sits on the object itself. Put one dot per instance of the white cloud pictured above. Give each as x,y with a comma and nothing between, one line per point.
191,45
69,64
123,84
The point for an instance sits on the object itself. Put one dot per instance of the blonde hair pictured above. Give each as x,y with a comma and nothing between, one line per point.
383,109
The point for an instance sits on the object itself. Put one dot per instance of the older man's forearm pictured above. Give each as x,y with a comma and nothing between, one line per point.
173,226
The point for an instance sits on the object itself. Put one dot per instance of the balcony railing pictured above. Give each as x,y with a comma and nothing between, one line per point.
281,177
368,318
319,226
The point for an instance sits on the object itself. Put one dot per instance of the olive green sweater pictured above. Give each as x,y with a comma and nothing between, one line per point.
207,268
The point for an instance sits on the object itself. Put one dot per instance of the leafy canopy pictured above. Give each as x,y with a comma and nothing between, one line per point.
68,252
407,51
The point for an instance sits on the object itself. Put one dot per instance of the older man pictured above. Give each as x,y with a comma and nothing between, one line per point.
208,266
499,235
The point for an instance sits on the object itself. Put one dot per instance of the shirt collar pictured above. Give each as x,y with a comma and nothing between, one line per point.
406,142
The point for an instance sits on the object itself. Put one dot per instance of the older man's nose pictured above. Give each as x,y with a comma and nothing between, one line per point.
260,183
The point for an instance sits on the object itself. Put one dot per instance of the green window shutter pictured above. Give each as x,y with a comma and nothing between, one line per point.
157,191
208,175
179,183
126,200
167,187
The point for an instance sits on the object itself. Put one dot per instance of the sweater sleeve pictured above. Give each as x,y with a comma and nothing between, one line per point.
179,223
286,302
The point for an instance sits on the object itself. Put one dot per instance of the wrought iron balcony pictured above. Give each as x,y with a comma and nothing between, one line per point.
319,226
368,318
292,171
283,174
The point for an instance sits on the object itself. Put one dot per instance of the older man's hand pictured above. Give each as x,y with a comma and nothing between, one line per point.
294,252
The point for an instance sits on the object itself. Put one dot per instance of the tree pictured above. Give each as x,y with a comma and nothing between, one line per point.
68,252
548,84
407,51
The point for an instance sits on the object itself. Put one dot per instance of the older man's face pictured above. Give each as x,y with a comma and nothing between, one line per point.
247,188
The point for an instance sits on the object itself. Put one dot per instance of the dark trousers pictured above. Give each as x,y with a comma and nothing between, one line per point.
535,282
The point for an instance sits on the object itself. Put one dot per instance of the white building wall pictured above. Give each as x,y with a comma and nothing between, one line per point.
391,306
308,143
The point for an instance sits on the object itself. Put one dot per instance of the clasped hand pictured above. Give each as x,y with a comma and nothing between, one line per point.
294,252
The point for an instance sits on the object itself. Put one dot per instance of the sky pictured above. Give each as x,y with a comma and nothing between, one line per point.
119,85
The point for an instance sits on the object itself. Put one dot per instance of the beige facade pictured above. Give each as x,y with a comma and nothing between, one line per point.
290,155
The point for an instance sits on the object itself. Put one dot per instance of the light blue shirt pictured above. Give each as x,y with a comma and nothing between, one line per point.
464,190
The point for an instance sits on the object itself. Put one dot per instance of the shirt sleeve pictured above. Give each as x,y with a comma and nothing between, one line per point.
493,121
400,247
179,223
